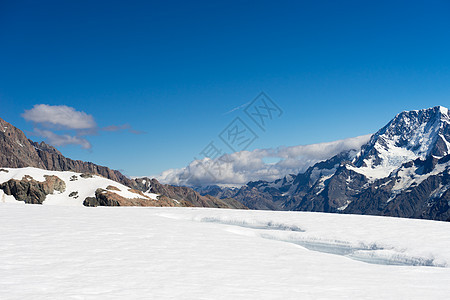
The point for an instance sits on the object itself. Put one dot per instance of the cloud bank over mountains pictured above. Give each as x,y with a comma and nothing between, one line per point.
62,125
238,168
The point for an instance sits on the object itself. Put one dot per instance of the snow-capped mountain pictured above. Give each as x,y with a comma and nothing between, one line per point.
410,135
402,171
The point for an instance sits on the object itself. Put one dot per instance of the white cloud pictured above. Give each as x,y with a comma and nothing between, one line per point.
238,168
79,124
59,115
62,139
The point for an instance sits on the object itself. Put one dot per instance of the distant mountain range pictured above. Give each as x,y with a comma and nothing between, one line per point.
403,171
18,152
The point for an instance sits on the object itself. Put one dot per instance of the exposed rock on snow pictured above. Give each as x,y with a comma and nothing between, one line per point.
109,198
31,191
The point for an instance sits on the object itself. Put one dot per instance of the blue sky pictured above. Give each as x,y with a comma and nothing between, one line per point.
173,69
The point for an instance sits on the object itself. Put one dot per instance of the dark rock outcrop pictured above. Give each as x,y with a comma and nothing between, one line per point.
109,198
31,191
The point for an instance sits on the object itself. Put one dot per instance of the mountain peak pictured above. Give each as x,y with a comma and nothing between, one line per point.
436,111
445,116
443,110
410,135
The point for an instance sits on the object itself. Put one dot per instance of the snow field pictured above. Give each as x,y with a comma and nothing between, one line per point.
57,252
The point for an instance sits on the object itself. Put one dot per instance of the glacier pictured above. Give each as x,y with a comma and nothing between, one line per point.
76,252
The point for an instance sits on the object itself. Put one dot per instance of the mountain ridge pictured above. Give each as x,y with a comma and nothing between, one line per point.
17,151
44,156
403,171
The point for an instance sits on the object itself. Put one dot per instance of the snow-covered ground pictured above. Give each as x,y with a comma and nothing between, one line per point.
76,185
58,252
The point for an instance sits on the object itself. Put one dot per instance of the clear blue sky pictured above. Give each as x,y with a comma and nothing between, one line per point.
173,69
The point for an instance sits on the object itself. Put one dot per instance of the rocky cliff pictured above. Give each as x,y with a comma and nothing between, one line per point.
17,151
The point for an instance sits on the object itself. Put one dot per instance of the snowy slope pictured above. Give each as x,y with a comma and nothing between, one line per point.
85,187
54,252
